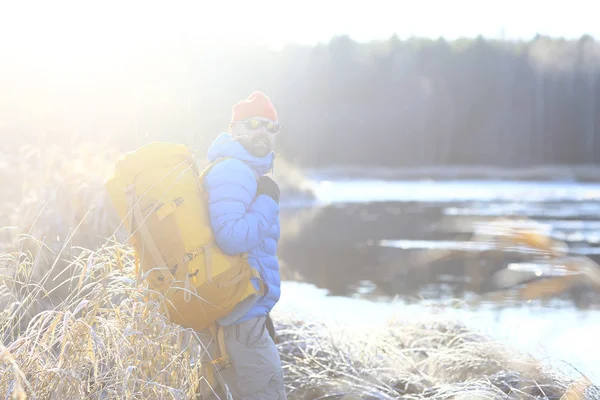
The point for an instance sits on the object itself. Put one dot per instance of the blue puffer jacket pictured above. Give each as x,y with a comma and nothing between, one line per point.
243,222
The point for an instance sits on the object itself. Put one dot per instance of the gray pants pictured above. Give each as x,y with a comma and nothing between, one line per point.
254,371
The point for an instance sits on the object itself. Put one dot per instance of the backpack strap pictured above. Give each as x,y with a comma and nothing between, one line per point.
210,166
147,239
207,169
211,370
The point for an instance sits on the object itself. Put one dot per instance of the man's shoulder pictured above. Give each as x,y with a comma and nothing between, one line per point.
229,164
229,169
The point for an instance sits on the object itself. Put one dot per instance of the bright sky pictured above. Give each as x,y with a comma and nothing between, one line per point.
275,22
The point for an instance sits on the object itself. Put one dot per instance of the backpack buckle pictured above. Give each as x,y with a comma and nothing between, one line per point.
221,362
167,209
190,255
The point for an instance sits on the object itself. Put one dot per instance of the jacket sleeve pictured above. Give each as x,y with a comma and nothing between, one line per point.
238,219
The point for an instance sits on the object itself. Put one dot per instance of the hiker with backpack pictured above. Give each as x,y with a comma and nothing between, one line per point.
243,205
205,243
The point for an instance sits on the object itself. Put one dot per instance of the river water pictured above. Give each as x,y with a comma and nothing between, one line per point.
373,246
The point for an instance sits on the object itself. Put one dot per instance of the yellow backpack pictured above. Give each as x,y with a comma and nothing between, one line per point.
158,192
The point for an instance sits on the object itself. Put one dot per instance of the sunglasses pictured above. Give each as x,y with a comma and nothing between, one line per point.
253,124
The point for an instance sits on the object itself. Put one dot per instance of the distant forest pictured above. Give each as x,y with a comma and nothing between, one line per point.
393,103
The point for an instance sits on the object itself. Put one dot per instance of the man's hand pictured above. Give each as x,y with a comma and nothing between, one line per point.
267,186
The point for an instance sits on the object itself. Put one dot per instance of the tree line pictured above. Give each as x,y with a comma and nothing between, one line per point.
394,103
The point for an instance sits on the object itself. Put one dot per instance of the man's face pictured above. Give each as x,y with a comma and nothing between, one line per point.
256,134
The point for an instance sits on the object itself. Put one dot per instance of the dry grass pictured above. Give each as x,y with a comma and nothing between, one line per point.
49,192
101,340
413,360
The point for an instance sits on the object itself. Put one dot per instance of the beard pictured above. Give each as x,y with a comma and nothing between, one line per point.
260,151
258,146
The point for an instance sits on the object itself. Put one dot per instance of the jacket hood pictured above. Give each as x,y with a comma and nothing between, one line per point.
225,146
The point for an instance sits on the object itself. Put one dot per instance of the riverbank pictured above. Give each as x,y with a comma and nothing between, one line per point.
544,173
93,336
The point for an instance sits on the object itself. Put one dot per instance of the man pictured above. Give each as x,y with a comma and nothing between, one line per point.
244,215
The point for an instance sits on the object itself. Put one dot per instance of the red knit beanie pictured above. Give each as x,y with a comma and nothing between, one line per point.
256,105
